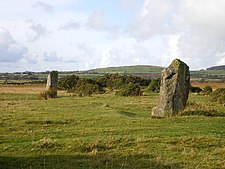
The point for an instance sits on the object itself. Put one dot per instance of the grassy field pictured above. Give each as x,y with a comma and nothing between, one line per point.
107,131
22,89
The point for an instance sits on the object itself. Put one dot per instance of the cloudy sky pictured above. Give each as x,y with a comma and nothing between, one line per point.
83,34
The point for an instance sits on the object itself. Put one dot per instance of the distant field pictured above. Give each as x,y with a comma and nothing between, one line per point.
212,84
130,69
106,131
209,72
23,89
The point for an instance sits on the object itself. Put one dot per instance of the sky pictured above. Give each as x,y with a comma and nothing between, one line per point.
68,35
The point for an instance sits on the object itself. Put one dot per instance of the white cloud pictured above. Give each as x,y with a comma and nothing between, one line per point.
72,25
46,7
152,20
37,31
97,21
86,56
121,33
205,36
204,16
221,58
196,25
31,58
51,56
199,49
130,53
129,4
173,45
10,50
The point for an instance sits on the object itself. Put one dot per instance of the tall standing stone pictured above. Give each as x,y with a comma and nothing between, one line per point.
51,86
174,90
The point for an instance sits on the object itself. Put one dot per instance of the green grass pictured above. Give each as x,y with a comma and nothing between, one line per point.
107,131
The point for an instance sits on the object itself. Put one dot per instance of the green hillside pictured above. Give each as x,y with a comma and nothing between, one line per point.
217,68
155,71
139,69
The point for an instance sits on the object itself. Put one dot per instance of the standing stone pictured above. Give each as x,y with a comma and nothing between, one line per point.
174,90
51,86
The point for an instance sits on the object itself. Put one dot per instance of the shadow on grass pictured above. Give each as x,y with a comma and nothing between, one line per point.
209,113
127,114
85,161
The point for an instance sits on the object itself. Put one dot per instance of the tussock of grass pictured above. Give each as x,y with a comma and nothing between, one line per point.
218,95
202,108
96,147
47,122
46,143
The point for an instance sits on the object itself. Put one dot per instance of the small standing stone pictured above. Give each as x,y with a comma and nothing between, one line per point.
51,86
174,90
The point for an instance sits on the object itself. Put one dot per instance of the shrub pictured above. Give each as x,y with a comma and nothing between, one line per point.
154,85
102,81
43,95
116,81
86,87
195,89
51,93
207,90
68,83
130,90
218,95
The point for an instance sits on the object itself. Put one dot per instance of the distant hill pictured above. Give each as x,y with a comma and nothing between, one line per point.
155,71
145,71
138,69
216,68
